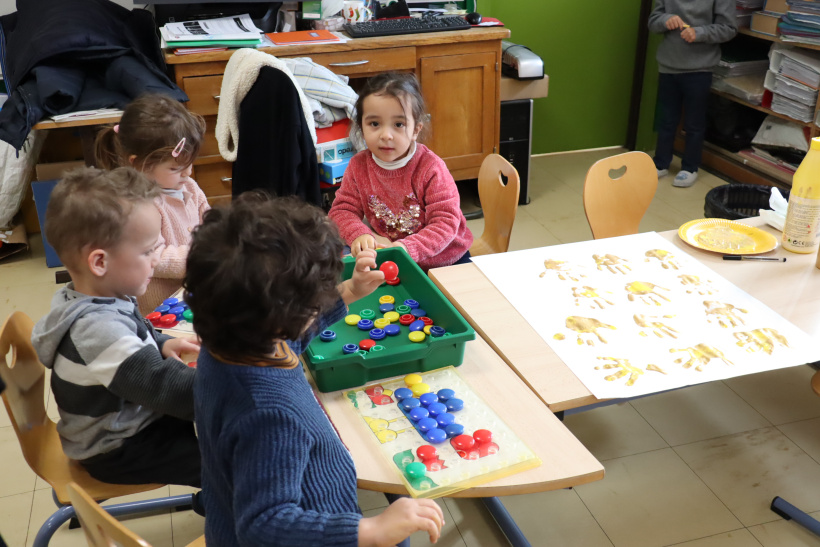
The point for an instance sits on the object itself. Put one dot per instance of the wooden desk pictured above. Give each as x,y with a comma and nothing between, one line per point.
459,72
87,128
791,289
565,461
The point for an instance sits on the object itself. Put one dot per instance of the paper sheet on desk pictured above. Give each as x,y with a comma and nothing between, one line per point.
635,315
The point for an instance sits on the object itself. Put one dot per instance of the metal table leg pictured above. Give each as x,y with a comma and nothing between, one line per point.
505,522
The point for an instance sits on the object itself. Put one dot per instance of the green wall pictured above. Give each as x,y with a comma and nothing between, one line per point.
588,50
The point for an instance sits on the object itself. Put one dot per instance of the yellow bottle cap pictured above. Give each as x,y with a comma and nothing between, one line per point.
420,389
391,316
386,299
412,379
352,319
417,336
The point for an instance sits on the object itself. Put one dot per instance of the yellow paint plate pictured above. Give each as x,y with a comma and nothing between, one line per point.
726,236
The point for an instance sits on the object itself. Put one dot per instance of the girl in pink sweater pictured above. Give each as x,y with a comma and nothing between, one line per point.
161,138
401,188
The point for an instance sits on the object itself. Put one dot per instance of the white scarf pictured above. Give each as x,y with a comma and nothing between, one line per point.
396,164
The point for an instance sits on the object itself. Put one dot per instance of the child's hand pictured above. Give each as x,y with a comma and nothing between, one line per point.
382,242
675,22
362,243
366,277
688,34
176,347
403,517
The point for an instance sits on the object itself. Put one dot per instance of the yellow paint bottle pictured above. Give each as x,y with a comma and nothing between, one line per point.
801,232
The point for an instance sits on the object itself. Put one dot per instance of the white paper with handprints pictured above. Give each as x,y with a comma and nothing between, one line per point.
634,315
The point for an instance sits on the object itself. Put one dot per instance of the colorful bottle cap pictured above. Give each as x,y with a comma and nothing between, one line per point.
365,324
327,336
381,322
366,345
153,317
406,319
426,329
454,404
462,442
192,364
350,348
402,309
437,331
392,330
162,309
436,408
428,398
352,319
167,321
178,311
384,308
436,436
427,452
417,336
482,436
390,269
412,304
170,302
420,389
416,325
418,413
392,316
444,394
426,424
409,404
454,430
445,419
184,304
415,470
367,314
377,347
418,312
402,393
377,334
411,379
188,315
386,299
427,320
393,282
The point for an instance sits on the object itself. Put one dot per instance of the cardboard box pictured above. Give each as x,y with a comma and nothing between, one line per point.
331,172
52,171
776,6
765,22
13,241
335,150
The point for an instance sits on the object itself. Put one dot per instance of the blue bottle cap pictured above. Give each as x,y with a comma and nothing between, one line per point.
454,430
416,325
377,334
418,312
445,419
392,330
170,302
410,303
402,393
410,403
427,424
384,308
428,398
436,436
327,336
184,304
178,311
365,324
444,394
418,413
454,404
350,348
163,309
437,331
436,409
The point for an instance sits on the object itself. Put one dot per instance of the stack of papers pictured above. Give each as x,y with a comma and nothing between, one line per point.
730,69
800,65
236,31
801,26
303,37
792,109
781,85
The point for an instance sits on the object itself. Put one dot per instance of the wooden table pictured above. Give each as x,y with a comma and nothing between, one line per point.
792,289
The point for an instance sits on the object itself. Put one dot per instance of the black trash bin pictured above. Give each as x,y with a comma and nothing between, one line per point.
736,201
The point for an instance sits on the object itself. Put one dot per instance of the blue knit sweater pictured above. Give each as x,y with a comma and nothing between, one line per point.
274,472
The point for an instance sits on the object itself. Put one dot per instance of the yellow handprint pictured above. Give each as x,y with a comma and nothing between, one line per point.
760,339
587,325
657,327
558,267
725,313
665,257
702,287
589,292
626,369
700,355
612,263
645,291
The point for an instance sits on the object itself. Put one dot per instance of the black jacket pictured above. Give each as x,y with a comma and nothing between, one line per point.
275,151
60,56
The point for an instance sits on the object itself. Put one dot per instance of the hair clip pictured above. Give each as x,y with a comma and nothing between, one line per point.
117,128
178,148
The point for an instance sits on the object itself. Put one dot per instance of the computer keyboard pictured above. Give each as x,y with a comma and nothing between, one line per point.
389,27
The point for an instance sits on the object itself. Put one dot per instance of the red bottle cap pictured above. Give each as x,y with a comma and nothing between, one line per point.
482,436
406,319
462,442
367,345
427,452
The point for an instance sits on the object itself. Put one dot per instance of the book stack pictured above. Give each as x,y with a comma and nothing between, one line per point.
767,20
224,32
801,22
793,79
745,10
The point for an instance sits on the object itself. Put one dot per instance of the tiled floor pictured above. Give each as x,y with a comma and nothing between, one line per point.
696,467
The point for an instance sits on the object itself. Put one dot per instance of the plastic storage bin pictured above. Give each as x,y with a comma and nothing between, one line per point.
736,201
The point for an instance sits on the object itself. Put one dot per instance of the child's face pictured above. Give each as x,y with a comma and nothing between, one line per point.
388,128
131,263
169,174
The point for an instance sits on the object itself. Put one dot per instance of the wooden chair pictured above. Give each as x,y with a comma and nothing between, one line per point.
499,202
615,203
103,530
24,377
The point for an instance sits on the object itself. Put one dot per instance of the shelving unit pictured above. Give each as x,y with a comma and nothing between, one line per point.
738,167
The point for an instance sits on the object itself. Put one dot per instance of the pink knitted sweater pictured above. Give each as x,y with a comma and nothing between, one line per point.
179,218
417,204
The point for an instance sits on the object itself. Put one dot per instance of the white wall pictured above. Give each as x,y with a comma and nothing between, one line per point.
8,6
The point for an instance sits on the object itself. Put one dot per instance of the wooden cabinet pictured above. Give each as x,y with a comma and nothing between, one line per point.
459,73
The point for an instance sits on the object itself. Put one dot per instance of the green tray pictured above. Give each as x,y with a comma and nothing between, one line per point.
333,370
